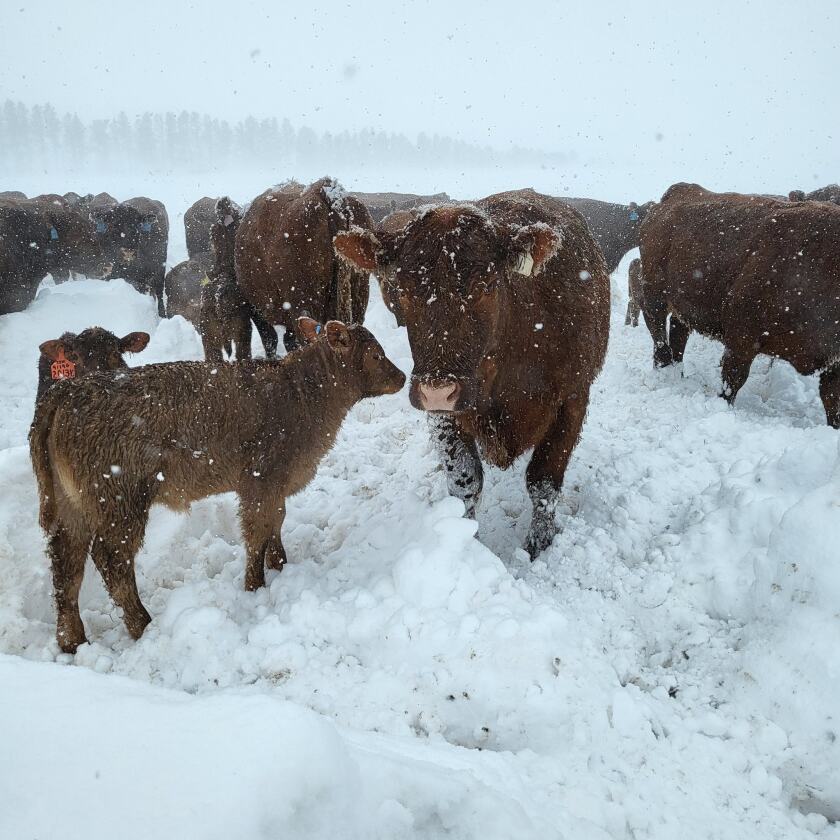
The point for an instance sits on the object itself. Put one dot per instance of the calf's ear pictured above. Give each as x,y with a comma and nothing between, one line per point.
308,329
532,247
52,349
134,342
338,336
358,247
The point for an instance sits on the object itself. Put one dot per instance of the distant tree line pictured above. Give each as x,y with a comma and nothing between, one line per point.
38,138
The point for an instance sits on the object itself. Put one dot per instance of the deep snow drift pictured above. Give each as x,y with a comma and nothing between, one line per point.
668,669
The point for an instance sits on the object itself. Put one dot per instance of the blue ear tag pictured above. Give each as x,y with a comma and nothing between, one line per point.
634,216
101,227
318,329
146,227
53,234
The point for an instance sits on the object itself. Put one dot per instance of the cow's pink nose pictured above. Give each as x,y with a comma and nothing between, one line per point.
439,397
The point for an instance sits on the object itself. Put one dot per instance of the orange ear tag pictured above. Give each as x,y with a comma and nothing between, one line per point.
63,368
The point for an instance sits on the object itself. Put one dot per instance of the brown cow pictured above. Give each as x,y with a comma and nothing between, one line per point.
108,447
830,192
91,351
634,293
384,203
198,219
183,285
285,262
507,305
226,313
759,274
393,225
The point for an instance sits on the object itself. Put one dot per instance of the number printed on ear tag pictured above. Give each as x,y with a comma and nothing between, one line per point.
62,368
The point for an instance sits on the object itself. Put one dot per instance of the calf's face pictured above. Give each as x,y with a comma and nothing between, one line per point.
361,352
448,268
93,350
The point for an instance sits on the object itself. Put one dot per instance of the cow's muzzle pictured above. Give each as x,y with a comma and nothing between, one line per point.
435,395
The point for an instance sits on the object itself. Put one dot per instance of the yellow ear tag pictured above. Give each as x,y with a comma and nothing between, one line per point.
205,281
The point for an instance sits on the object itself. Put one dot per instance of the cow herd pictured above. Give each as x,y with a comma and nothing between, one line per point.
506,301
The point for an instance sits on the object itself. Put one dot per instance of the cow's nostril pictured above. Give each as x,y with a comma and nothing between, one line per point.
439,397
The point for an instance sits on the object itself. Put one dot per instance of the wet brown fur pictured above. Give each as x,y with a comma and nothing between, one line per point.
108,447
473,320
285,262
759,274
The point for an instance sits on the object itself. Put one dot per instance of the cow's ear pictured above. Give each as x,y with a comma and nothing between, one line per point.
360,248
338,336
53,348
308,329
532,247
134,342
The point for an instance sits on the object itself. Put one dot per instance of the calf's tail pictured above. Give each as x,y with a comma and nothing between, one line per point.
40,454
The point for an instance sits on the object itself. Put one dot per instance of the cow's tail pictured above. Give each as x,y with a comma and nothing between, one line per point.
39,452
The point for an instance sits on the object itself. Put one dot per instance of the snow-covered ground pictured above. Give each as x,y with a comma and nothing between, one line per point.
668,669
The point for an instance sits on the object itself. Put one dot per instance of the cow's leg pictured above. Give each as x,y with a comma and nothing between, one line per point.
68,554
678,334
114,557
459,454
735,368
261,517
157,283
655,309
290,340
242,336
632,316
268,335
830,395
544,476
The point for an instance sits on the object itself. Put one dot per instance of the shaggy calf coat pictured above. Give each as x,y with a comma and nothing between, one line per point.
507,307
108,447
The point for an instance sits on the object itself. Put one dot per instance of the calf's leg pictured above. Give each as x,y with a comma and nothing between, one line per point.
460,458
114,557
830,395
261,517
544,476
68,554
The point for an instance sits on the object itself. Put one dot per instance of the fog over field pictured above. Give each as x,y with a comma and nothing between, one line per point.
622,97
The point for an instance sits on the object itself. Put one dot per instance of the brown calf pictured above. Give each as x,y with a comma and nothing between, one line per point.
507,307
106,448
91,351
759,274
634,293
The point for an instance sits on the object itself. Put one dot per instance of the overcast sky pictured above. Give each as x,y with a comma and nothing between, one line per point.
756,82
